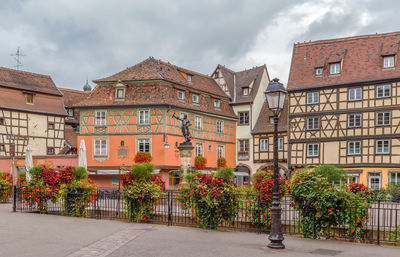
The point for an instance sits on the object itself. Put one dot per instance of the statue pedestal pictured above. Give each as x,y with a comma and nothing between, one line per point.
185,151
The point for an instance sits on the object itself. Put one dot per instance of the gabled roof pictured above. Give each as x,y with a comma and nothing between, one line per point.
72,97
263,124
152,69
361,58
28,81
243,79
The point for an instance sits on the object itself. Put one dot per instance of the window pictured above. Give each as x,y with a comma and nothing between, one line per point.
217,104
220,151
354,148
394,178
50,151
210,148
351,178
280,144
144,117
114,179
70,112
313,98
100,118
355,94
382,146
313,123
143,145
374,180
334,68
51,125
2,148
312,150
122,143
354,120
1,121
383,118
383,91
318,71
246,91
100,147
120,93
388,61
198,123
243,118
199,149
29,98
189,78
195,98
181,95
263,145
220,126
244,146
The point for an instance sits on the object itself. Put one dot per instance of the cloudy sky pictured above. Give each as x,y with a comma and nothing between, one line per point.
72,39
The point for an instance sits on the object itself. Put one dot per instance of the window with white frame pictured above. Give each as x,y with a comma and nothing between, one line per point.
312,150
354,120
351,178
313,98
143,145
263,145
246,91
181,95
195,98
243,118
114,179
355,94
144,117
198,123
354,148
334,68
383,91
244,146
313,123
189,77
382,118
100,147
280,143
220,126
70,112
388,61
120,93
100,118
394,178
220,151
382,146
318,71
217,104
199,149
374,180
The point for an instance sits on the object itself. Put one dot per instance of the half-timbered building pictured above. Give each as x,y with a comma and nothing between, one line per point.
132,111
246,92
344,107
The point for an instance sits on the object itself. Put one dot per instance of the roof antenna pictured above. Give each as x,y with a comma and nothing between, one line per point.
17,56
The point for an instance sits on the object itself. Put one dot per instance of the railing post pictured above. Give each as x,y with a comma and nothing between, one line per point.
314,225
379,222
169,208
259,213
14,198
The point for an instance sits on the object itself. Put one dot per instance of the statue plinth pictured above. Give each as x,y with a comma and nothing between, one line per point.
185,150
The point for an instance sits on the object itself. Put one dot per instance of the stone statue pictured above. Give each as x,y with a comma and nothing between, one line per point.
185,128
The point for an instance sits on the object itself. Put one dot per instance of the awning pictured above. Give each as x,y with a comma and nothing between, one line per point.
241,174
116,172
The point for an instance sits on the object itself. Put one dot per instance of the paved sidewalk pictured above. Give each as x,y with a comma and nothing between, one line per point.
26,234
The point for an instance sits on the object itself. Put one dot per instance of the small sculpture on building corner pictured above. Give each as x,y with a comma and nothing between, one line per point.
185,128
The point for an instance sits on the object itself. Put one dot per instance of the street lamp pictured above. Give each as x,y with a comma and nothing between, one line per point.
275,95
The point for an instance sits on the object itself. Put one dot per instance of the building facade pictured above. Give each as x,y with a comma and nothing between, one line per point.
344,107
133,111
246,92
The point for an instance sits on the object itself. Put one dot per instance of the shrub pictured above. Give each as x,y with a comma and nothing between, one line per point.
77,196
142,171
332,173
226,173
80,173
66,175
156,179
142,157
200,162
6,187
260,173
221,162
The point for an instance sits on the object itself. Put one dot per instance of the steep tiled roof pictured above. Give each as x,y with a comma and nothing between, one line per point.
72,97
152,69
27,81
361,57
263,124
243,79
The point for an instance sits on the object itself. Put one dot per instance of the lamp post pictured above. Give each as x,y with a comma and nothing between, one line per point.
275,95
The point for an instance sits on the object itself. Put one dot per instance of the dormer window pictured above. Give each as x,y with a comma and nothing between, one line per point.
189,78
120,93
388,61
70,112
246,91
318,71
217,104
181,95
216,75
334,68
195,98
29,98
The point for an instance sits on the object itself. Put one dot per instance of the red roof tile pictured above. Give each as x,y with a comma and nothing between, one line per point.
361,57
72,97
263,124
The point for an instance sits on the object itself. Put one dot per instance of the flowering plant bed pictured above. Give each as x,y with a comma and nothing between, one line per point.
5,187
200,162
143,157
